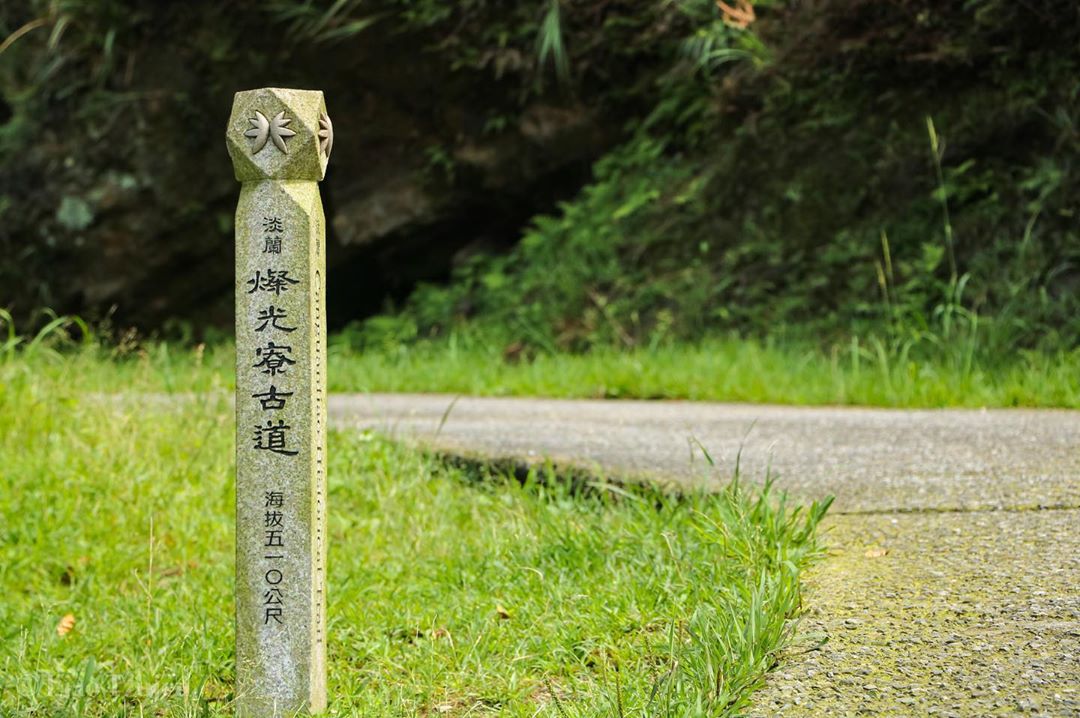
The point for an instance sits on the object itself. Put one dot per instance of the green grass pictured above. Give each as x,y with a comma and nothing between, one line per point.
452,592
738,370
859,373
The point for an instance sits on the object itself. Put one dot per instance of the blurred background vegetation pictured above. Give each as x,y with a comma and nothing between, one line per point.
567,175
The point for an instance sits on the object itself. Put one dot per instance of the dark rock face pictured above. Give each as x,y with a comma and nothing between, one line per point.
116,192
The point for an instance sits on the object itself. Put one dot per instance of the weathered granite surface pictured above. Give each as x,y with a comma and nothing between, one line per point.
280,142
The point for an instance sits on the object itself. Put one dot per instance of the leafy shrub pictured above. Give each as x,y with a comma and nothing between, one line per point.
904,170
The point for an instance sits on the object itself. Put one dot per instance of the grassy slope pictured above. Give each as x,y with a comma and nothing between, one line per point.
799,179
451,593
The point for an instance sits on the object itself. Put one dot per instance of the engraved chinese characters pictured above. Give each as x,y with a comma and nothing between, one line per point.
279,140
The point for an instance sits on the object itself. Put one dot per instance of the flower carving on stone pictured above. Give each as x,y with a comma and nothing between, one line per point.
275,129
326,134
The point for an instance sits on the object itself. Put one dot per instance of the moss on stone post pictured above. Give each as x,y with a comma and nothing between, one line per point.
280,142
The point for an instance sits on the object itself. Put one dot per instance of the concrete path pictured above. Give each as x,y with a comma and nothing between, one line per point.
953,586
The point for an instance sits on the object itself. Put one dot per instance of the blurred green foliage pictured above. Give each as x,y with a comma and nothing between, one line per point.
106,107
902,169
905,170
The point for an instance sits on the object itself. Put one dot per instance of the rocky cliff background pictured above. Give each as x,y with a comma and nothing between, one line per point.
115,190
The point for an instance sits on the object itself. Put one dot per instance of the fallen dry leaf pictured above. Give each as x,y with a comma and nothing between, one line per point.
740,16
503,613
66,624
876,552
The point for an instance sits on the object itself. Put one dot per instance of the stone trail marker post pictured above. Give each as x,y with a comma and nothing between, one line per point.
280,142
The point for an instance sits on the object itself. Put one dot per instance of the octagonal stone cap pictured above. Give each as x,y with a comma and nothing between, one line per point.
278,133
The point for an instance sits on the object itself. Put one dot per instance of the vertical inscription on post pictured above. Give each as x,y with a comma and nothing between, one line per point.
279,141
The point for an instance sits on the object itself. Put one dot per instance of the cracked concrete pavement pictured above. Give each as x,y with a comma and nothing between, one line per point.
953,582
